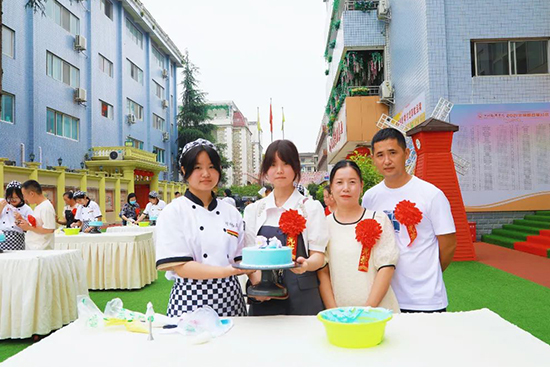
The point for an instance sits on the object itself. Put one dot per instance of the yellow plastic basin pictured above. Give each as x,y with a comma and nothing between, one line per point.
71,231
143,224
366,331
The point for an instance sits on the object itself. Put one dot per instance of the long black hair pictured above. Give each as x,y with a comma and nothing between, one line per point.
343,164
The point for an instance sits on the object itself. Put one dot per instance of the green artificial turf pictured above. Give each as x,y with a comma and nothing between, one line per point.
470,286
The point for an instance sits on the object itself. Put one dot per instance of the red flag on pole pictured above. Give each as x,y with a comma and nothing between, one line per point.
271,119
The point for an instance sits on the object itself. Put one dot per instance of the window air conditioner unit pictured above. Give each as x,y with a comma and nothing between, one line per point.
165,136
116,155
386,92
131,118
80,95
80,43
165,103
383,11
164,73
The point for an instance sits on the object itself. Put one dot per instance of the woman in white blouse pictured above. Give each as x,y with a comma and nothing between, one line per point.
357,276
281,166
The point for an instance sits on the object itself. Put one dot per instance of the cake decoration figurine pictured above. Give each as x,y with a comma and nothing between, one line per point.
261,242
274,243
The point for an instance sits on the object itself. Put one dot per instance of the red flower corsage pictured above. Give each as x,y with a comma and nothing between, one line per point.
73,211
408,215
292,224
367,232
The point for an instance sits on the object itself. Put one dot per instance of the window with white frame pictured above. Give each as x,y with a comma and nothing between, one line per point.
135,35
106,109
8,108
160,154
158,122
107,8
159,90
132,108
61,70
105,65
60,124
509,57
63,17
135,72
8,42
159,57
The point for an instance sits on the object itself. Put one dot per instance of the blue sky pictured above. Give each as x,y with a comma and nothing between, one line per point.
250,51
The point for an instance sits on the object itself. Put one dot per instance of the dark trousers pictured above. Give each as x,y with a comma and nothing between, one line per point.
303,297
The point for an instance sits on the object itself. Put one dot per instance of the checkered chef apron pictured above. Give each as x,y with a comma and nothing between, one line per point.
223,295
14,241
85,225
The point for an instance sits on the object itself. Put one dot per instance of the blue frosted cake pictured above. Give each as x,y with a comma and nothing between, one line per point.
263,254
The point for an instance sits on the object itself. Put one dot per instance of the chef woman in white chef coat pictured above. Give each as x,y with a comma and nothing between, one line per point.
198,238
87,212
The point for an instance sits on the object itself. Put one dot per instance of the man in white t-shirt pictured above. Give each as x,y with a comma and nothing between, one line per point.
153,208
418,279
40,234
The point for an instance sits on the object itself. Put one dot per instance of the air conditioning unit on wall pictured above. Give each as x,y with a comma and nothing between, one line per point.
164,73
131,118
116,155
80,95
80,43
165,136
386,92
383,11
165,103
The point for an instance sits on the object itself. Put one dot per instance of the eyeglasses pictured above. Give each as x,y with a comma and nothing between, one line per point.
12,200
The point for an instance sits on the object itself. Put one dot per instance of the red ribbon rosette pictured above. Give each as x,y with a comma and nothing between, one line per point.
367,232
408,215
73,211
292,224
31,220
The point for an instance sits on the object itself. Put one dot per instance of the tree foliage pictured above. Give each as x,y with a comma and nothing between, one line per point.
193,114
248,190
369,173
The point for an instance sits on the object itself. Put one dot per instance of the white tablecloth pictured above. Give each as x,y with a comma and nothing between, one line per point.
38,291
130,229
477,338
114,260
